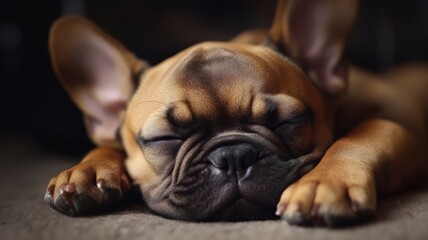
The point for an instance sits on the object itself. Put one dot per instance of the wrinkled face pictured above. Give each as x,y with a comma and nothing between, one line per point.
220,130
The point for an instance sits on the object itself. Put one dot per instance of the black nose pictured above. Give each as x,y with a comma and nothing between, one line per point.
237,157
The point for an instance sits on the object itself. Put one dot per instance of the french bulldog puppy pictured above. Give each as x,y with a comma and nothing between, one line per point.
267,123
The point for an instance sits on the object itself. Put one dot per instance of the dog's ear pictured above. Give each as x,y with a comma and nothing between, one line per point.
313,33
97,72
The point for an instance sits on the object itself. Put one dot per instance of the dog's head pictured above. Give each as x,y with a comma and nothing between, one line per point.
219,130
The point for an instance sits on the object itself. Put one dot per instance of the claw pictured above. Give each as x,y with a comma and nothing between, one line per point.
297,219
101,184
64,204
49,196
67,188
50,190
314,210
110,195
280,209
125,183
84,204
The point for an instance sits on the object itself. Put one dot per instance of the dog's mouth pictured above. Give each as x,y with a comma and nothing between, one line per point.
236,177
229,201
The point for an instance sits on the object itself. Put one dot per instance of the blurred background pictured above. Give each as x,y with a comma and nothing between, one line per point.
34,106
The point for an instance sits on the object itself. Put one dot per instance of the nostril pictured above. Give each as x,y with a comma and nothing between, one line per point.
248,158
237,157
219,158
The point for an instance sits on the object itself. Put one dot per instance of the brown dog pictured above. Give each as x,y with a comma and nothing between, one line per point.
226,130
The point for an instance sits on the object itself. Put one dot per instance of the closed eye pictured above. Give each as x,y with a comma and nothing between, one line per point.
165,138
297,119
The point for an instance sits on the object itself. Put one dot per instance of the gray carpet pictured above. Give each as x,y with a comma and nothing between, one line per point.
25,171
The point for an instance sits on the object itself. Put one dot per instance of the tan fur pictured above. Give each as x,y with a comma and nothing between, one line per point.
380,120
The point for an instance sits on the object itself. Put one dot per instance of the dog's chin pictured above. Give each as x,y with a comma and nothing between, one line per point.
232,210
239,210
243,210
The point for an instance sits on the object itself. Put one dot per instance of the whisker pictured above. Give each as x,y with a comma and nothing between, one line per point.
152,101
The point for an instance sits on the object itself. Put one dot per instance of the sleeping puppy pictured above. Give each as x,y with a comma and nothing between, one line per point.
263,124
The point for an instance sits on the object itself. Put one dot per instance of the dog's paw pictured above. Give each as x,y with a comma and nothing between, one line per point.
87,188
327,201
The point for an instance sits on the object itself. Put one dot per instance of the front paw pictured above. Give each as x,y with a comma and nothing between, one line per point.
87,188
330,201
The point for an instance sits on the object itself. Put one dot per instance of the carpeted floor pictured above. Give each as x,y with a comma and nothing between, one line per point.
25,171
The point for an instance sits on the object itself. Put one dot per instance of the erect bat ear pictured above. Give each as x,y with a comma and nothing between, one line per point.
313,33
97,72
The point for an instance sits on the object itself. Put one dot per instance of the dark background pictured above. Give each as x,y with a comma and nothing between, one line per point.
33,105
